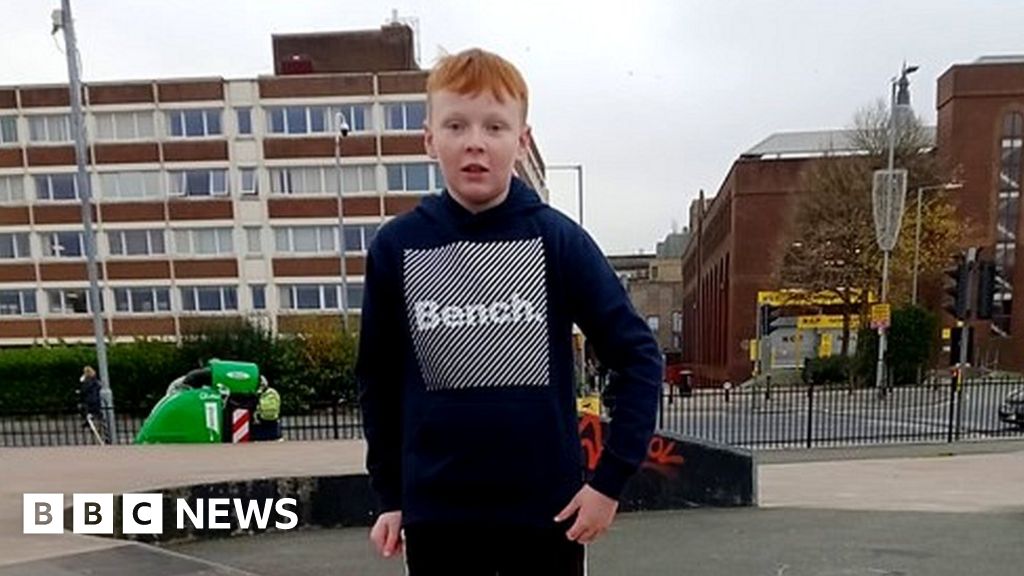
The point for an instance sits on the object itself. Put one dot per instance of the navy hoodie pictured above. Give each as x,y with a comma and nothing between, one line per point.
465,363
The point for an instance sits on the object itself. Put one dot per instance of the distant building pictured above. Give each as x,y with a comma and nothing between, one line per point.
215,198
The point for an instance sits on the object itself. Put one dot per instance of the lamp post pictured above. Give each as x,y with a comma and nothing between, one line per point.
578,168
341,130
917,233
888,202
62,21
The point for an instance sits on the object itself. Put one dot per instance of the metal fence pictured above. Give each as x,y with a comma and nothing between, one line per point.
799,416
331,421
758,418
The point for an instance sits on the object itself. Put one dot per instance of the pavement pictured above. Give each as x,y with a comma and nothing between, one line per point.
931,510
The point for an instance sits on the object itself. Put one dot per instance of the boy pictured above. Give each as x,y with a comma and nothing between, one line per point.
465,354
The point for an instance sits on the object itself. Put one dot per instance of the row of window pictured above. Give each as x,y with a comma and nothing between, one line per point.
156,299
192,241
208,182
204,122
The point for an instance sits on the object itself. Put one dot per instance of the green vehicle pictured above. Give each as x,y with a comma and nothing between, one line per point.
193,410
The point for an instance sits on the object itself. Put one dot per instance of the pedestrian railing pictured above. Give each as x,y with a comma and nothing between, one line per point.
321,421
810,416
752,417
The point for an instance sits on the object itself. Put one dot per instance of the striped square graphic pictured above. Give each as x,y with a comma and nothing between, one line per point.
478,313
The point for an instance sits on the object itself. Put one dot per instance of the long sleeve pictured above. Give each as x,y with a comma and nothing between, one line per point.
624,343
378,371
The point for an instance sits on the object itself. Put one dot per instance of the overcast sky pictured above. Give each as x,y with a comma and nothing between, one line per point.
656,98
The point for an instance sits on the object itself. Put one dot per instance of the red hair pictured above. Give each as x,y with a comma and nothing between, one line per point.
473,71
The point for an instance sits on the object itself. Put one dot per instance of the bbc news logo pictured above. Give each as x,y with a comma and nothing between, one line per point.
144,514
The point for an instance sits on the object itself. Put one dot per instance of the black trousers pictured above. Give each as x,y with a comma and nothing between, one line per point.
439,550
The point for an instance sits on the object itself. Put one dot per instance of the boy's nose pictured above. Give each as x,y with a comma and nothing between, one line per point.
475,140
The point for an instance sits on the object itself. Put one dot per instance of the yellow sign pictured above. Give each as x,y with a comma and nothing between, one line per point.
825,322
754,350
881,316
589,404
947,333
805,298
825,348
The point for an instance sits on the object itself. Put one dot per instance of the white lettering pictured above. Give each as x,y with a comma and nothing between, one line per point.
501,312
195,517
426,315
246,514
219,508
452,317
476,314
293,518
430,314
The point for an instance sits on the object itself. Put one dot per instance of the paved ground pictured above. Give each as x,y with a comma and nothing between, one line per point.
941,510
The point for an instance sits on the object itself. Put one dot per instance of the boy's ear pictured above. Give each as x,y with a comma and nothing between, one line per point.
428,141
524,142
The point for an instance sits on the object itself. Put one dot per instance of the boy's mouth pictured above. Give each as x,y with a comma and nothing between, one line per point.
474,168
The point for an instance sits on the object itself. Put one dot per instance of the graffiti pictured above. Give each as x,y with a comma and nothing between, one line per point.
662,457
592,439
663,454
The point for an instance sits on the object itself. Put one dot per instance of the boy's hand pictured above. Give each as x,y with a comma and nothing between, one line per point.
386,534
594,514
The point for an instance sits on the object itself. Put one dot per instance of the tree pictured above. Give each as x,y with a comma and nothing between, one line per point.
832,248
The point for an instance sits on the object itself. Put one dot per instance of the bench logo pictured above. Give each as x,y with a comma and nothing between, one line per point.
144,514
479,313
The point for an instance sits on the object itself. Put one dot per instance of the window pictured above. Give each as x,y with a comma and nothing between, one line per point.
653,322
203,241
50,128
319,296
136,242
359,236
418,177
17,302
244,116
125,126
1008,208
305,239
8,130
315,119
63,244
209,298
361,178
310,297
259,297
404,115
145,300
199,182
129,185
304,180
11,189
249,182
253,240
14,245
70,301
56,187
193,123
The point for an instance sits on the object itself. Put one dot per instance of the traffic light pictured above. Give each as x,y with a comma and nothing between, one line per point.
954,345
986,289
956,291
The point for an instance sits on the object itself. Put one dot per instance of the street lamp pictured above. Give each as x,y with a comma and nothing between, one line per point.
62,21
888,203
341,130
917,233
578,168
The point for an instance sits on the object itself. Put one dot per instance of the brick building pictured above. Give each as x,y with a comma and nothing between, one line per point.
736,245
213,197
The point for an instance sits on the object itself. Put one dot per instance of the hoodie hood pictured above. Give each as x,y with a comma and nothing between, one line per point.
521,200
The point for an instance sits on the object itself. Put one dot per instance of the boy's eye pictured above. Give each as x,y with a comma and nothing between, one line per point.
496,127
454,125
